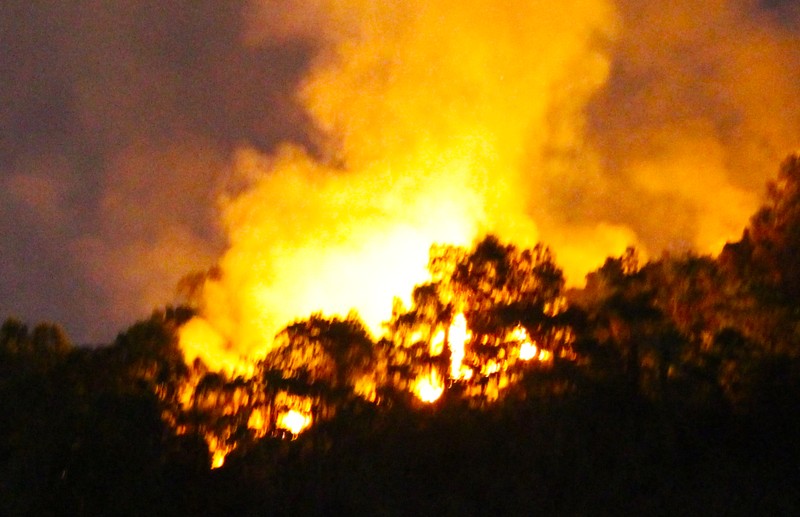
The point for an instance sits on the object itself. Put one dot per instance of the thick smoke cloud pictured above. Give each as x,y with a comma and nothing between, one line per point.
117,122
438,118
134,134
699,109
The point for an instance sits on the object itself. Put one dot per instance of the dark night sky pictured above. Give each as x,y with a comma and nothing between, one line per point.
118,120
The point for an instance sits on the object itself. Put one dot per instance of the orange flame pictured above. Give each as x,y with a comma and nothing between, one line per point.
434,128
219,451
458,337
429,387
527,347
293,421
527,351
218,458
257,422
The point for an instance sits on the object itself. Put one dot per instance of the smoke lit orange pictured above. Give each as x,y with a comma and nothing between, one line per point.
433,129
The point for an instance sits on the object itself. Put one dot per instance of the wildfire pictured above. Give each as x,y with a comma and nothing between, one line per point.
218,450
437,133
429,387
527,347
432,129
527,351
293,421
458,337
481,364
257,422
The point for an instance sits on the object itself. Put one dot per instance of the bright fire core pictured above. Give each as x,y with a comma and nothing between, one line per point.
437,125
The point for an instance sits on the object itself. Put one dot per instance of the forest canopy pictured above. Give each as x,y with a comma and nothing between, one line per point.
661,386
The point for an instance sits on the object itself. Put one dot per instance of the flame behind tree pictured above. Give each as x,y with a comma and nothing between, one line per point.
492,304
483,318
438,122
327,355
429,387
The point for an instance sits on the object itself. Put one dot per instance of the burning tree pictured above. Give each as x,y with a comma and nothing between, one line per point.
484,314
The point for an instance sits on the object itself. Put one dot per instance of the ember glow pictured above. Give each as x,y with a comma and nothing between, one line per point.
429,387
458,337
293,421
218,451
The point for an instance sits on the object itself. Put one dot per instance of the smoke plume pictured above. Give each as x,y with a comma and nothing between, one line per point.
315,149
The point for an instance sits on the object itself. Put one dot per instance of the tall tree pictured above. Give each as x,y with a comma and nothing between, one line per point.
771,244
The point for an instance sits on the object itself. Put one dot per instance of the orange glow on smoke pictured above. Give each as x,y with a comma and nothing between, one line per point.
199,339
438,133
438,122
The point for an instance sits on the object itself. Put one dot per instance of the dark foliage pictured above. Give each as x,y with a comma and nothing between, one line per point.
678,397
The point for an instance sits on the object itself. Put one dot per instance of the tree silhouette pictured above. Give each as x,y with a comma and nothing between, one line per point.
666,374
504,293
14,339
326,350
775,232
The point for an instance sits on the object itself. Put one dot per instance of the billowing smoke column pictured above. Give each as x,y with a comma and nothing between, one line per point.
699,110
439,119
588,125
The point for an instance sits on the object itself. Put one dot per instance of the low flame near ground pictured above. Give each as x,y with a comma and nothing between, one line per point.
294,414
429,387
293,421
